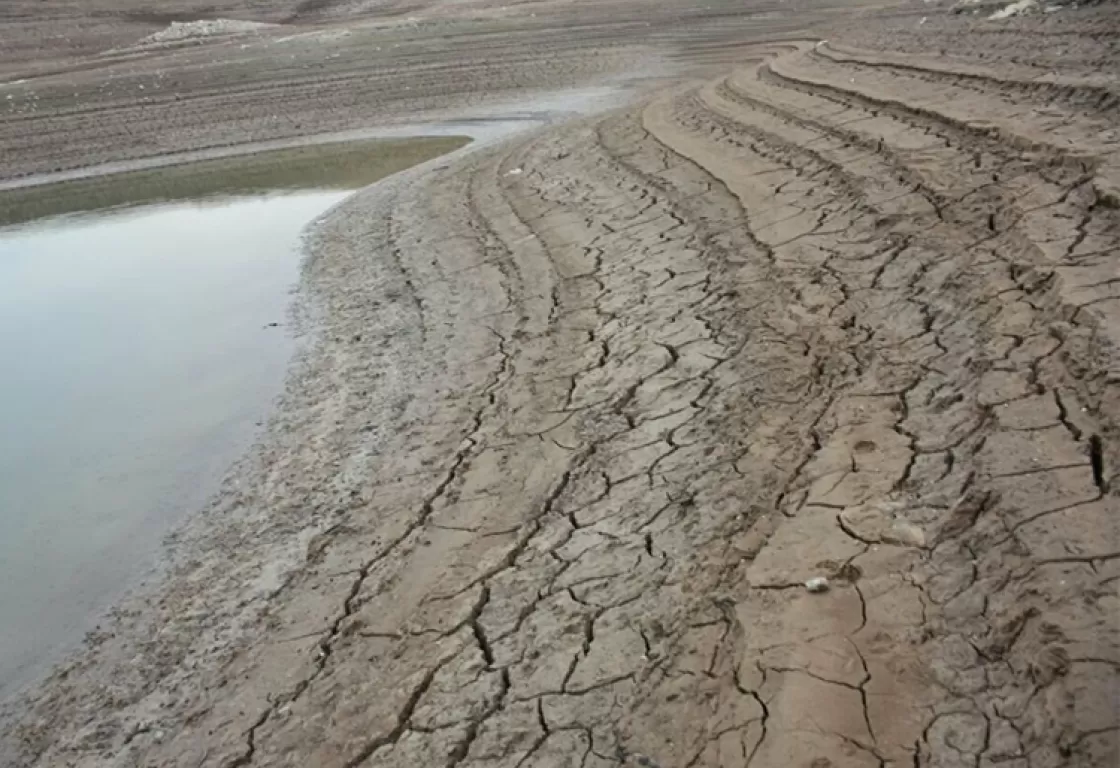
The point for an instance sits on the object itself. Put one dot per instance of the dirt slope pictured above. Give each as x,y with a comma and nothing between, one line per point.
62,111
552,483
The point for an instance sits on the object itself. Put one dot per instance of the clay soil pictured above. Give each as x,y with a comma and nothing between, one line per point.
831,292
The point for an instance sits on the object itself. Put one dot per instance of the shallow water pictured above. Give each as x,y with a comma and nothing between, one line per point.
141,348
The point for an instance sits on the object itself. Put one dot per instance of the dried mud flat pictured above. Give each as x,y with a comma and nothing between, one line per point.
549,486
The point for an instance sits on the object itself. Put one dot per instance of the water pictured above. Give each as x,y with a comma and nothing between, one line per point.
141,348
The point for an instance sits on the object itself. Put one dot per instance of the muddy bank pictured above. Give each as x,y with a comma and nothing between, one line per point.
588,410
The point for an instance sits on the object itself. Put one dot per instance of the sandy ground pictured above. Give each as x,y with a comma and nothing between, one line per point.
586,410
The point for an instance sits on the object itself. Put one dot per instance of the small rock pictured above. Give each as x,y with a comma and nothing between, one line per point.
817,584
910,535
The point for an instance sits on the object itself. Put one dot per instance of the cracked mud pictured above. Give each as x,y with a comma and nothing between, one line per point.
609,395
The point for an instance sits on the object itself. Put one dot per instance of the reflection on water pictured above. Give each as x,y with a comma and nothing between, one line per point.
346,165
140,349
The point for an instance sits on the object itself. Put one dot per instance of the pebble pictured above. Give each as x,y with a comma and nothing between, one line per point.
817,584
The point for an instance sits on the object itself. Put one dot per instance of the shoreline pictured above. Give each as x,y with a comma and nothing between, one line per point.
305,324
479,123
764,419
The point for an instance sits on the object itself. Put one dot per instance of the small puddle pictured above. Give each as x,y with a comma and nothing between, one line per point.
141,325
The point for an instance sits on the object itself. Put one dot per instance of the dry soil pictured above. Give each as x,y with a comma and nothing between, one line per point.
586,410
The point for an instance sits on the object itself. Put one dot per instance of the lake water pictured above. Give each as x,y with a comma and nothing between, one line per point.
141,348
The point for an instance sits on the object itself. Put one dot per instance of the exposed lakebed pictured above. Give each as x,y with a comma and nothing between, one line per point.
142,328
